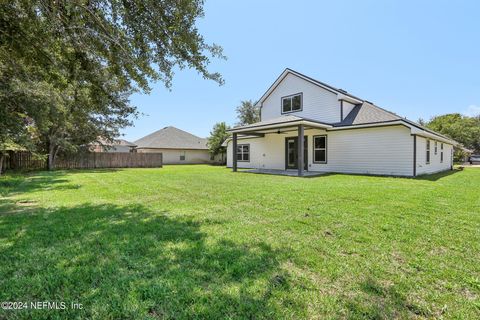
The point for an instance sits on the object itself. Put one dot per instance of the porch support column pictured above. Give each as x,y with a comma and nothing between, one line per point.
234,152
300,149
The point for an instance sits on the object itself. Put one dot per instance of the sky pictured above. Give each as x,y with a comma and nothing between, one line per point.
415,58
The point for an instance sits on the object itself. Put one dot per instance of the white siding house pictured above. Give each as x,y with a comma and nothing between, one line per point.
439,160
342,133
321,105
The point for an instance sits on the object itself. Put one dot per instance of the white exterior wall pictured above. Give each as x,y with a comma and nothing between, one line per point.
318,103
382,151
435,165
347,108
172,156
265,153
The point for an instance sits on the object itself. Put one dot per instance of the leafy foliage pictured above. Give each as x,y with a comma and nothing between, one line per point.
463,129
70,66
247,113
218,135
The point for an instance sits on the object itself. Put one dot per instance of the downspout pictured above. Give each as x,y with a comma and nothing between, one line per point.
414,155
341,110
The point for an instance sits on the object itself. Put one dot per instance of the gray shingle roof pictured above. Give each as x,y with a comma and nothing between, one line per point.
115,142
172,138
123,142
281,119
367,113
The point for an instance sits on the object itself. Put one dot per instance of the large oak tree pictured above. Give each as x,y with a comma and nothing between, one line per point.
70,66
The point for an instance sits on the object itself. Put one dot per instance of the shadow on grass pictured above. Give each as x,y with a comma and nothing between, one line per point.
438,176
131,262
429,177
23,183
378,301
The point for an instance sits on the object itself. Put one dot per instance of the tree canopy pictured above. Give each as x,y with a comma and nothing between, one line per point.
463,129
69,67
247,113
218,135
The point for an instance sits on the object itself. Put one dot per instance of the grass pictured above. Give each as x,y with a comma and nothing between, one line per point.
203,242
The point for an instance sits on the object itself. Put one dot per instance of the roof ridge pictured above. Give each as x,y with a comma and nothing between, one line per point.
166,128
343,91
184,131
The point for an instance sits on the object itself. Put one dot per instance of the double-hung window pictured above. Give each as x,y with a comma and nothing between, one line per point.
183,155
436,147
243,152
441,152
292,103
320,149
427,156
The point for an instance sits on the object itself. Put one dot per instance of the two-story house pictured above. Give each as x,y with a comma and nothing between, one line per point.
340,133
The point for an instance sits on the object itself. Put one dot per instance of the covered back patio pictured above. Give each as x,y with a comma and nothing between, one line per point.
295,150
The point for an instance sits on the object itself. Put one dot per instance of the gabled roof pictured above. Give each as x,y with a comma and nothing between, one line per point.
364,112
323,85
172,138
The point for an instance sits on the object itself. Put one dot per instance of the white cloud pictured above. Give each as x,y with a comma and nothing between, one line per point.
472,111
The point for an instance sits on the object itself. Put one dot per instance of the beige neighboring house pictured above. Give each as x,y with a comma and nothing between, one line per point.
117,145
177,146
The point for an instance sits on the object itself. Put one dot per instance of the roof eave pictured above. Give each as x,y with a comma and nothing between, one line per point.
280,125
431,135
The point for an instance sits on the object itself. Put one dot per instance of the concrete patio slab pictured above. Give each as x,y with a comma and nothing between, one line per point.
291,173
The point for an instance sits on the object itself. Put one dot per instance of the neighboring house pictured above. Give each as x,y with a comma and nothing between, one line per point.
341,133
177,146
117,145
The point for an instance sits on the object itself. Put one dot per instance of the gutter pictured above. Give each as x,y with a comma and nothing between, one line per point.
426,134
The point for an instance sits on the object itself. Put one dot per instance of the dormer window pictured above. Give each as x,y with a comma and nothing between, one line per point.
292,103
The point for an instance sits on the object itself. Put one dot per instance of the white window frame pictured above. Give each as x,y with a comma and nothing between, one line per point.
241,148
184,155
290,97
322,149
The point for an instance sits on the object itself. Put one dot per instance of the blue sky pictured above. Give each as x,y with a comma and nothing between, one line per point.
417,59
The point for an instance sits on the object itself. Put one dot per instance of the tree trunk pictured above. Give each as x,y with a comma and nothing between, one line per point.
51,156
50,160
2,157
52,152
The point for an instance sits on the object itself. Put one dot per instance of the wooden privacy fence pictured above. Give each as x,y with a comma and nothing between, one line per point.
91,160
23,160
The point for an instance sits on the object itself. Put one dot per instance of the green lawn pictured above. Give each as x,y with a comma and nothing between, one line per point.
203,242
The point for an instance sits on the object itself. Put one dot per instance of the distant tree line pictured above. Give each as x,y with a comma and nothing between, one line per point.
461,128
